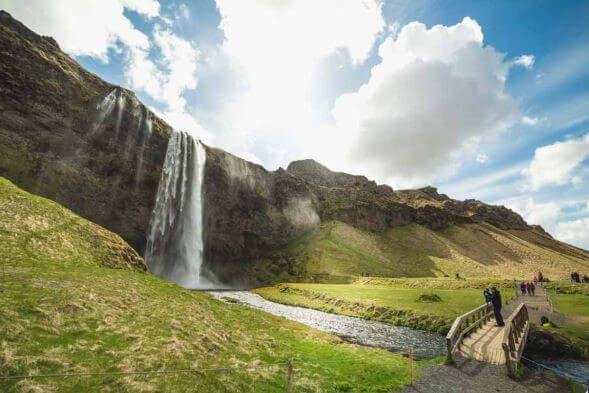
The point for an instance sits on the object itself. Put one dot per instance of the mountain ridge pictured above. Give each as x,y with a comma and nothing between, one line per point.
69,136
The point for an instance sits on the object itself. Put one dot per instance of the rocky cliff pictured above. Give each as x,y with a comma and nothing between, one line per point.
69,136
60,138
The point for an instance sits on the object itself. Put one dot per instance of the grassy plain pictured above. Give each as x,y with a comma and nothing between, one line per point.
396,301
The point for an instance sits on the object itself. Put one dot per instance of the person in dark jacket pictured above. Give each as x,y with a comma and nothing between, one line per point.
522,286
497,305
488,296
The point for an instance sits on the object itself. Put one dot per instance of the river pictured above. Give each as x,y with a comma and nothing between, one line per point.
377,334
361,331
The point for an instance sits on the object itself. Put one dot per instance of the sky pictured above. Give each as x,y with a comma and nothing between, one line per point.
482,99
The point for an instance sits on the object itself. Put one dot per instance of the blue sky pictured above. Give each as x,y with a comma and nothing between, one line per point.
491,104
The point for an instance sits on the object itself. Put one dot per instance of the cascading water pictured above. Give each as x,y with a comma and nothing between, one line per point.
105,108
146,135
175,238
120,108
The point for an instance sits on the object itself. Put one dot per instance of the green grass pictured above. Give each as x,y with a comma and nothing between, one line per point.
397,302
576,312
62,311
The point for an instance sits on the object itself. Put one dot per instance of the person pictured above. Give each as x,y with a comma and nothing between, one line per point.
535,279
540,277
529,288
497,304
533,289
523,288
488,296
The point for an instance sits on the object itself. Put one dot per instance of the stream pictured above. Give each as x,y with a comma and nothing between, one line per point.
397,339
360,331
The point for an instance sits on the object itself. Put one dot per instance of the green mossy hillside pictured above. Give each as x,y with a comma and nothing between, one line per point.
37,230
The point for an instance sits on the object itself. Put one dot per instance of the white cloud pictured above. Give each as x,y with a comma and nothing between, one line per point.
93,27
526,61
556,164
182,12
434,92
485,185
544,214
482,158
531,121
551,217
574,232
149,8
84,28
276,50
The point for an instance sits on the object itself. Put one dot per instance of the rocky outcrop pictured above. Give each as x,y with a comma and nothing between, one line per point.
53,143
362,203
249,211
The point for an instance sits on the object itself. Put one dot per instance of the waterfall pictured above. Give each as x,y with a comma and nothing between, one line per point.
120,109
175,237
105,108
146,135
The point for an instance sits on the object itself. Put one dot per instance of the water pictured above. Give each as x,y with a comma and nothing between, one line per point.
105,108
364,332
133,134
145,136
175,238
574,370
120,108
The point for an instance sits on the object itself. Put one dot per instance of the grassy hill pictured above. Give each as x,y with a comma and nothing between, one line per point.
337,251
63,311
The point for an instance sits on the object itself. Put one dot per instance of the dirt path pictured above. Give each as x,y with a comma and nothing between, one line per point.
470,376
537,305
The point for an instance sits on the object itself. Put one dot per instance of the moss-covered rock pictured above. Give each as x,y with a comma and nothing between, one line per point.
34,229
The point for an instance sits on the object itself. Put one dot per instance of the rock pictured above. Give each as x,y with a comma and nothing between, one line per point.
48,106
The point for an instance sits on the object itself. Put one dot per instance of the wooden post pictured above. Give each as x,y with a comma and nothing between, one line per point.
410,366
289,380
507,360
449,358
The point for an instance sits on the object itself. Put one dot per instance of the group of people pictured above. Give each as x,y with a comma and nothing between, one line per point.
528,287
493,297
576,277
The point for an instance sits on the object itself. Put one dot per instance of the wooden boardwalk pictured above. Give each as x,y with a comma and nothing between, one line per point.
475,335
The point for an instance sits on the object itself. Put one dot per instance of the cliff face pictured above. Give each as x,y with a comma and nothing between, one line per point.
54,144
69,136
249,211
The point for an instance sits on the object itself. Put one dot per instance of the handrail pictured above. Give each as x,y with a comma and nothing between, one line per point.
514,337
463,325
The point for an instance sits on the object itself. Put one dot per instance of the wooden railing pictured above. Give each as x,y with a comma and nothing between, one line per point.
515,336
463,325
